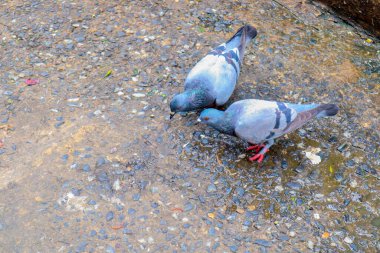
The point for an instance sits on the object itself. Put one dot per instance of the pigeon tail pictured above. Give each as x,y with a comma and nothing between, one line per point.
327,110
303,117
241,38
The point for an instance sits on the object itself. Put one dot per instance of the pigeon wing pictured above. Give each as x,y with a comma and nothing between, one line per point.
264,120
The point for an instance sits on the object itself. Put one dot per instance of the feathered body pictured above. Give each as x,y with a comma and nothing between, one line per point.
212,80
261,121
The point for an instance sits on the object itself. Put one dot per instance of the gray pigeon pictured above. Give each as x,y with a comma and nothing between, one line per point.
213,79
260,121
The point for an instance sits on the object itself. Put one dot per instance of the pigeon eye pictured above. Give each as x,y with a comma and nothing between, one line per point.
206,118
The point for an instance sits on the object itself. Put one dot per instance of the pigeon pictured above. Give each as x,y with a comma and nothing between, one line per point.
212,80
260,122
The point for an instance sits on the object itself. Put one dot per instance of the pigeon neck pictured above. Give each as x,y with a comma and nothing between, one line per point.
225,124
200,98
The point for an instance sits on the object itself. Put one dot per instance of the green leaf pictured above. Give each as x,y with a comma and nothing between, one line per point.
135,72
109,72
201,29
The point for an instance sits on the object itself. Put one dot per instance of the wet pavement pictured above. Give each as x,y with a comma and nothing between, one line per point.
90,162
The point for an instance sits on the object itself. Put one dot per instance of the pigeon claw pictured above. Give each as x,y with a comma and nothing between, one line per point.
256,148
258,157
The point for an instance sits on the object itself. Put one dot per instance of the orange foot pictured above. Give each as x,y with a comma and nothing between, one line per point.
259,157
256,148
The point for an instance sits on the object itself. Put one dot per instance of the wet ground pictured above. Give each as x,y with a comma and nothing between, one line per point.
90,162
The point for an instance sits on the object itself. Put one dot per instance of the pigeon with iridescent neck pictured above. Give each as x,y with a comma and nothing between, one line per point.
260,122
212,80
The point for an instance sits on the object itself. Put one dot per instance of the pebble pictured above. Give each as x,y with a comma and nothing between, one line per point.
294,185
91,202
188,207
211,188
100,161
136,197
310,245
211,231
81,247
353,247
348,240
65,157
262,242
234,248
138,95
353,183
109,216
103,177
110,249
86,168
93,233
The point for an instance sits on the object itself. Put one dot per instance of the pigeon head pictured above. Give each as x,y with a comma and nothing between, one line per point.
211,116
218,120
190,100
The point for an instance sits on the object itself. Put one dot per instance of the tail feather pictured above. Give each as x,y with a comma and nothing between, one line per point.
241,38
304,116
327,110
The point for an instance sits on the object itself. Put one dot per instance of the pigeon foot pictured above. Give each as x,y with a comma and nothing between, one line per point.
256,148
260,156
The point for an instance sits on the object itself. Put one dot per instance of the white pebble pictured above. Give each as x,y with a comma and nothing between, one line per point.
116,185
97,112
316,216
348,240
279,188
138,95
310,244
353,183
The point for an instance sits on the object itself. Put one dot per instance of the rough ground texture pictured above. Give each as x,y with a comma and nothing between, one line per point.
89,161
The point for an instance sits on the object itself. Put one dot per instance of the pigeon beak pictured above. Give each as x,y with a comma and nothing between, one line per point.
199,120
172,115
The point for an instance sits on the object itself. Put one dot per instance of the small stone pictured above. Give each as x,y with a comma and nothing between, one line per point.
284,164
65,157
121,34
110,249
91,202
76,191
262,242
136,197
188,207
348,240
109,216
211,231
279,188
294,185
100,161
116,185
284,238
310,244
138,95
233,248
57,125
86,168
211,188
81,247
342,147
292,233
